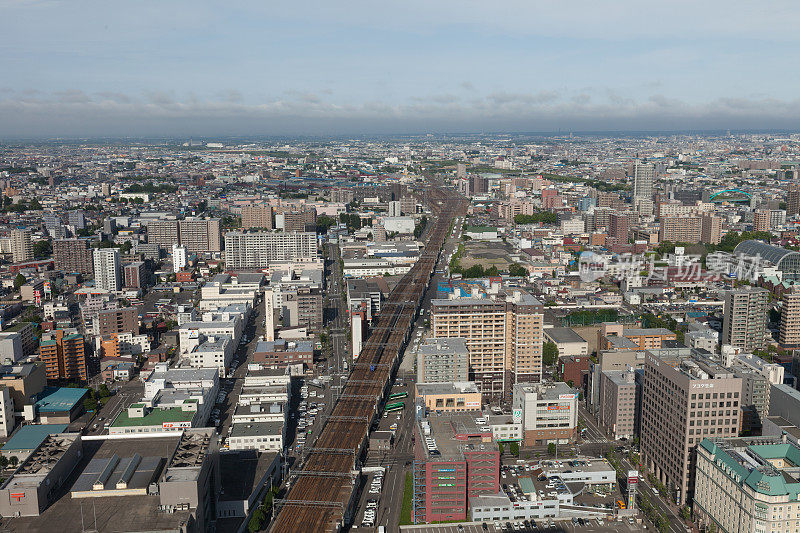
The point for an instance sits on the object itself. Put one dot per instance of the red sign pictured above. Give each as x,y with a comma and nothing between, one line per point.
18,496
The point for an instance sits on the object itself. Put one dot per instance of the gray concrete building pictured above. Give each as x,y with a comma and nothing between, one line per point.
442,360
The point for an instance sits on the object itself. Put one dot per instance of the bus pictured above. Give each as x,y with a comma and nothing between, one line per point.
620,504
398,395
397,406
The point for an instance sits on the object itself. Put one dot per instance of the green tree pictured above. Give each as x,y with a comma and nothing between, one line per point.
3,461
686,512
549,353
19,281
104,392
543,217
324,223
551,448
42,249
514,449
517,270
256,521
14,461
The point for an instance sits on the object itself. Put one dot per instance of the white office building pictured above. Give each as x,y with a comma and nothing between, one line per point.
107,269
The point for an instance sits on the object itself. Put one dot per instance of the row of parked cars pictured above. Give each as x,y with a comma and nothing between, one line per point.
370,513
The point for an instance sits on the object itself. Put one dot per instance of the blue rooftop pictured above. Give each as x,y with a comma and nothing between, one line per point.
30,436
57,399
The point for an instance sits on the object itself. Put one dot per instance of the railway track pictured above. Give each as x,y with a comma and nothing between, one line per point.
326,484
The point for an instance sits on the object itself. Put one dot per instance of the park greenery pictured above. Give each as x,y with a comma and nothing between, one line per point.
544,217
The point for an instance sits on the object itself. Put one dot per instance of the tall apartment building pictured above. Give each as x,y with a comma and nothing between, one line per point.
107,269
258,249
201,235
73,255
793,200
681,229
711,229
64,356
687,398
302,307
618,227
503,336
179,258
76,219
136,275
119,320
257,216
761,220
164,233
748,484
300,220
790,319
619,404
745,318
21,246
443,361
643,177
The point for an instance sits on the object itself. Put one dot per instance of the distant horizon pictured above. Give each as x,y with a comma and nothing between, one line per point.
149,69
422,135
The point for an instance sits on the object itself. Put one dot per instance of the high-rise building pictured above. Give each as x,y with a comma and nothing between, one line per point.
686,398
461,170
64,356
680,229
745,318
761,220
201,235
793,201
394,208
302,307
179,258
619,404
118,320
257,249
790,319
711,229
257,216
503,335
76,219
548,412
299,220
478,184
73,255
443,361
21,246
164,233
643,177
107,269
135,275
618,227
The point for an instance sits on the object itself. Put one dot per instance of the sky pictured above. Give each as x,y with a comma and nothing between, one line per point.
87,68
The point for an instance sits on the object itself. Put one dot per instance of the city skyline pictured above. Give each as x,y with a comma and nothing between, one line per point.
141,70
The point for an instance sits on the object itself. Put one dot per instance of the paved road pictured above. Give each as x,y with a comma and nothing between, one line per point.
125,394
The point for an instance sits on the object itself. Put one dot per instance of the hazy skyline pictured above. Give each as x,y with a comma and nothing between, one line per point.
102,68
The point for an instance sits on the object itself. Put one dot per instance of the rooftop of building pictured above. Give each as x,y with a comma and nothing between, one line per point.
214,344
59,399
256,429
456,387
562,335
241,472
30,436
773,254
768,465
454,434
693,363
284,345
617,342
154,417
547,391
444,346
176,375
110,512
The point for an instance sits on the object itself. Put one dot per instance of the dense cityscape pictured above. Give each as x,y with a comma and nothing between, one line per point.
565,332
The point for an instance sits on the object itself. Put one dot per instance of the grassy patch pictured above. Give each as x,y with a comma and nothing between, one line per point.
405,510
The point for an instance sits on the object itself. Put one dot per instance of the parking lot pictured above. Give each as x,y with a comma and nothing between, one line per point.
542,526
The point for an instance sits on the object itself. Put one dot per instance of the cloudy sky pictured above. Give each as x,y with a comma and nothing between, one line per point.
87,68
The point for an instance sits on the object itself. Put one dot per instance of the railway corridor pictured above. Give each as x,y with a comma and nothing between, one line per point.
326,483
